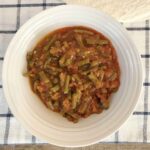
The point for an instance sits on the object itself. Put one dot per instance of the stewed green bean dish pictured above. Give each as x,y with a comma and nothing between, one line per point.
74,70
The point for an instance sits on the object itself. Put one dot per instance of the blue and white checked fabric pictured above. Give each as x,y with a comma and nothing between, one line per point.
13,14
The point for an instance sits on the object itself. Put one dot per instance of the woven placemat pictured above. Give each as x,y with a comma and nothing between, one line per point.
122,10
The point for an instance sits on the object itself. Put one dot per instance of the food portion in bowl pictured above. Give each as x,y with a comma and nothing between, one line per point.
74,71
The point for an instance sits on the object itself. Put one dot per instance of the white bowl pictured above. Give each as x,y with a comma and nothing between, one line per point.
32,113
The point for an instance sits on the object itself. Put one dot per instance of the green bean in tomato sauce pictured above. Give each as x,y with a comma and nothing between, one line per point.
74,71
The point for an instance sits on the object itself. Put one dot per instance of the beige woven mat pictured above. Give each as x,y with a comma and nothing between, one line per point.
122,10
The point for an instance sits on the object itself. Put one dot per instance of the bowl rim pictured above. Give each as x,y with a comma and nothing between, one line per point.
6,90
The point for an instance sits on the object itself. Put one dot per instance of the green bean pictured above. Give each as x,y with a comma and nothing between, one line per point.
27,74
92,40
76,76
29,56
69,96
53,51
103,42
51,72
79,40
44,77
55,95
101,75
94,79
35,84
105,104
83,31
29,59
55,69
62,77
76,98
95,63
49,84
66,44
89,71
51,41
66,105
50,105
31,63
83,62
68,61
56,104
63,113
76,116
86,72
55,88
66,88
54,58
46,47
62,61
85,53
85,67
47,62
86,85
70,118
113,76
83,108
104,54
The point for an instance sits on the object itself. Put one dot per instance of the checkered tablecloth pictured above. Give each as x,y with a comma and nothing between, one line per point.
14,13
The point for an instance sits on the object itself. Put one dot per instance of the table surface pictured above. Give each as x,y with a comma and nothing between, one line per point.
14,14
94,147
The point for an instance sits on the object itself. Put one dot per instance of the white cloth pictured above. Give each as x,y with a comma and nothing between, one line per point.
15,13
